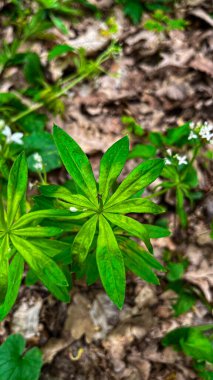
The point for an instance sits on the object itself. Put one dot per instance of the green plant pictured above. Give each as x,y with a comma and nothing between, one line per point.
132,126
18,364
181,146
23,239
196,342
16,115
134,9
161,22
104,236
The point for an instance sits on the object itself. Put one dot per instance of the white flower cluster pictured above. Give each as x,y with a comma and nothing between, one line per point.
38,161
10,137
180,160
203,130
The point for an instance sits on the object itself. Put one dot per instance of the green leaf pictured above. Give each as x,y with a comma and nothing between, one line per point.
8,99
111,165
140,177
110,263
31,123
134,262
178,136
156,232
176,271
37,231
4,265
45,268
139,261
16,269
84,238
26,219
131,245
60,250
59,24
192,341
60,292
132,226
59,50
190,177
17,365
133,9
76,163
184,303
2,215
77,200
17,184
42,143
180,207
138,205
92,273
32,69
142,151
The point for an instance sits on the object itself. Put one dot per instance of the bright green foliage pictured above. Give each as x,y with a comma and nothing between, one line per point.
183,179
186,295
160,22
105,230
132,126
179,174
18,236
134,9
59,50
197,343
15,363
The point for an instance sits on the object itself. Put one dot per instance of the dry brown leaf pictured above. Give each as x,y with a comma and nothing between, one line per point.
203,278
199,12
52,348
203,64
79,322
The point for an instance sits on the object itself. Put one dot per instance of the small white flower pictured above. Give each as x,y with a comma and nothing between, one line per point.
38,161
73,209
206,131
192,136
17,138
192,125
38,166
169,152
182,160
37,157
167,161
7,131
12,137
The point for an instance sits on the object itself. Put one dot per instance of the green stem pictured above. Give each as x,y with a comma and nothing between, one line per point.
74,80
161,192
195,153
37,106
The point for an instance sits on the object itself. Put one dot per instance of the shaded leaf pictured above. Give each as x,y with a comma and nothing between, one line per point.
110,263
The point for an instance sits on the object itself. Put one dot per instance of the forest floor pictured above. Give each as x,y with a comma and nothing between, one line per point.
164,80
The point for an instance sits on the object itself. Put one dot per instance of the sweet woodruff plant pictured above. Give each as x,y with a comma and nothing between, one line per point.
79,228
